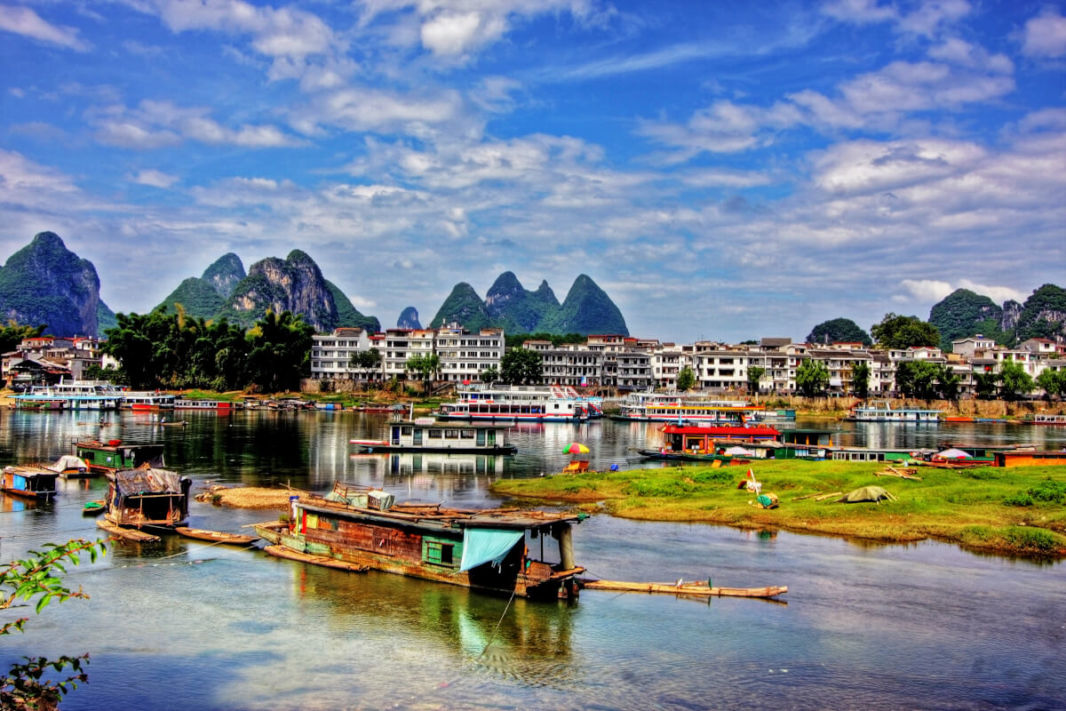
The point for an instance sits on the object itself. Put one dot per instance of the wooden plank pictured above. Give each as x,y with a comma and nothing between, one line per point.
129,534
699,589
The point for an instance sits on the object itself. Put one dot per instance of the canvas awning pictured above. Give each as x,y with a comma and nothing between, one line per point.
487,545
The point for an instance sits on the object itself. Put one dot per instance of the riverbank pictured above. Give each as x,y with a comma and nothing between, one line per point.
1018,511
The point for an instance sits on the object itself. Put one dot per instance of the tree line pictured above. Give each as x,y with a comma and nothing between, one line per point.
175,351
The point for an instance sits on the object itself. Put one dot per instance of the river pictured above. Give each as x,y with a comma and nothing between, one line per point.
188,625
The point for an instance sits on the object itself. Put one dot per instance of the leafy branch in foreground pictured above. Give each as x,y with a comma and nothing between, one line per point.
38,577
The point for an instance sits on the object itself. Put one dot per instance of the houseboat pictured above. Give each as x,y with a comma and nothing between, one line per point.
110,456
36,483
504,551
884,412
75,395
147,497
516,404
426,434
1044,419
678,407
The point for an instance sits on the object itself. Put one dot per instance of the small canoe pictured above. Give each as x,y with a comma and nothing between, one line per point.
93,508
283,552
235,539
128,534
700,589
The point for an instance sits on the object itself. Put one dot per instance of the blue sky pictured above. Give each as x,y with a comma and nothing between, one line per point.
723,170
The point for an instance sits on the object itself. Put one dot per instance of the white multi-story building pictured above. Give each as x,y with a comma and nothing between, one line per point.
331,353
464,355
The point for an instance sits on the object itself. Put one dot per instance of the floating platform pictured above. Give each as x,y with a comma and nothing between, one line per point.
128,534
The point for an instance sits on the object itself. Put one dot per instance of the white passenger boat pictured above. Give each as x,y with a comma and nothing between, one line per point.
682,407
74,394
884,412
520,404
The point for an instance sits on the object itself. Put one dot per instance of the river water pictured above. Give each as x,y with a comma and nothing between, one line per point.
188,625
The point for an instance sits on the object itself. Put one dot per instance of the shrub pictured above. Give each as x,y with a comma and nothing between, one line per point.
1049,491
1020,499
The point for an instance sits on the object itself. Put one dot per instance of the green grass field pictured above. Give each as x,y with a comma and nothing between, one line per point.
1016,511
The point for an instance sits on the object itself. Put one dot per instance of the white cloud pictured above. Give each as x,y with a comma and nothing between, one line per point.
932,290
24,21
1045,35
927,19
153,178
453,29
859,11
863,167
377,110
155,124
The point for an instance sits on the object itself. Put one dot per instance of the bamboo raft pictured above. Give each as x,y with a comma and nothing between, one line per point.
129,534
698,589
283,552
235,539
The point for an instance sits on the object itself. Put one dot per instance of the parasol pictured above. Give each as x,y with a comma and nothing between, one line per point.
576,448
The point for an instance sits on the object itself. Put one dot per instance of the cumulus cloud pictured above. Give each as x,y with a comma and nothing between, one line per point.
24,21
932,290
927,18
1045,35
454,29
153,178
155,124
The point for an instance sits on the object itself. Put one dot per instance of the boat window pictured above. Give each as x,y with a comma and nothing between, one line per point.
451,434
435,434
438,552
466,434
406,430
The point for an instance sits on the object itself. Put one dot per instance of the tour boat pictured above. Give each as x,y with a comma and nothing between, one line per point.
679,407
884,412
75,395
504,551
425,434
1043,419
218,405
518,404
705,440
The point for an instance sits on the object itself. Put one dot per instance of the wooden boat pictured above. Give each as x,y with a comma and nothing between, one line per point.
425,434
279,551
668,455
271,531
93,508
128,534
146,497
701,589
37,483
490,550
235,539
113,455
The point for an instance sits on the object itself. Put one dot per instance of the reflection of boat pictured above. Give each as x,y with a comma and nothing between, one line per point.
147,497
491,549
425,434
110,456
29,482
404,463
235,539
884,412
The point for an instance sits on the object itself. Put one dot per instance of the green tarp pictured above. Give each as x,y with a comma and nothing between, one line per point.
487,545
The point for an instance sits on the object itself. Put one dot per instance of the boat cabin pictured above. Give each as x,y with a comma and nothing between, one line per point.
704,439
147,497
110,456
29,482
425,434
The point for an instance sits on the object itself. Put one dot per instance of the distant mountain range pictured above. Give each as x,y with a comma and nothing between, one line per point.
965,313
45,283
586,310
